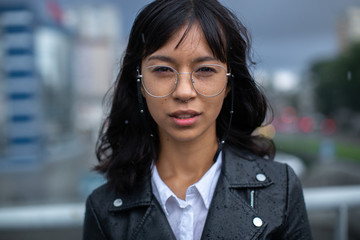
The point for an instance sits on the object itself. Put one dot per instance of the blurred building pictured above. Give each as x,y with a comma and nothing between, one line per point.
56,65
36,86
21,121
349,28
97,49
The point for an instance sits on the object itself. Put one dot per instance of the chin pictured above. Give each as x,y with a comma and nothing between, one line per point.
186,135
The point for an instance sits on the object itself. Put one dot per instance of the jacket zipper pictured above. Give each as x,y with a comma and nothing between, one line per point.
252,198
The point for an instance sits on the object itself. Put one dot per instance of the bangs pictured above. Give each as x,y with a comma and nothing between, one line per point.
214,33
165,25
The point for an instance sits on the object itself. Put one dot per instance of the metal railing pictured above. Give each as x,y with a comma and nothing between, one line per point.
67,215
340,199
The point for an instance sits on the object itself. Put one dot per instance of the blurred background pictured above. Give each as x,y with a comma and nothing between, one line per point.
59,57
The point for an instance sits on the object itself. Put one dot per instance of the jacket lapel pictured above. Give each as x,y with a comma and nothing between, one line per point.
230,214
154,225
147,220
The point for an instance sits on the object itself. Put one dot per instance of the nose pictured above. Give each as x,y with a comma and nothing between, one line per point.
184,90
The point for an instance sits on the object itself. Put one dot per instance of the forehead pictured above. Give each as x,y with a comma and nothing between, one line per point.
188,40
188,35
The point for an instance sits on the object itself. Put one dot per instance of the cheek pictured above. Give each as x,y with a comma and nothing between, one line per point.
215,106
217,109
156,107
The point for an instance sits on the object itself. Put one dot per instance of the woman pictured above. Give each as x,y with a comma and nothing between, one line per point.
177,146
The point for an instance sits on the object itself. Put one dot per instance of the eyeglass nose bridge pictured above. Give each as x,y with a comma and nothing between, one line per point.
178,79
180,73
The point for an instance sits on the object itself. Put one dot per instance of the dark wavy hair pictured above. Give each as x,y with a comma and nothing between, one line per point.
125,149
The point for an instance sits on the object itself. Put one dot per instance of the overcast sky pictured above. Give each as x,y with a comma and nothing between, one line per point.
289,33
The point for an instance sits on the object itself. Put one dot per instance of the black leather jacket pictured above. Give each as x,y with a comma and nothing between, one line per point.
254,199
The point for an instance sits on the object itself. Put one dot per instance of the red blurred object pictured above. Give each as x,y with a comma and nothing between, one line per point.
55,11
307,124
328,126
288,115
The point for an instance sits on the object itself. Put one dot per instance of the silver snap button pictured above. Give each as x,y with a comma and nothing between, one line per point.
260,177
257,222
118,202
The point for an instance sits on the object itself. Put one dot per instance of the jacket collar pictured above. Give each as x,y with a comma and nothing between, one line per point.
140,196
242,171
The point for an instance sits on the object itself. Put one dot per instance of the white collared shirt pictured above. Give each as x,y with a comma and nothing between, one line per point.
187,217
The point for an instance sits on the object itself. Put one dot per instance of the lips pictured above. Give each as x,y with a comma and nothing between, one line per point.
184,114
184,118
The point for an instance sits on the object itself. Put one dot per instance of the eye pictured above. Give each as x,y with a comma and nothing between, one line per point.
205,72
161,69
206,69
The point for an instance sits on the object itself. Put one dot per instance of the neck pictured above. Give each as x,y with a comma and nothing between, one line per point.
186,160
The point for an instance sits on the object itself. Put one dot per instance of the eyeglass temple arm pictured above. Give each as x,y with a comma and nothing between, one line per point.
138,75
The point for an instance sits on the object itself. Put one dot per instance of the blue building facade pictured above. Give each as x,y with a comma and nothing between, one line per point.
21,89
36,87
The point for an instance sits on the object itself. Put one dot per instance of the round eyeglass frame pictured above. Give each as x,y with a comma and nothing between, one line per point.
140,76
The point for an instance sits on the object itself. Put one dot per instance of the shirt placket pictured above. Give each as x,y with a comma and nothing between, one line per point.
187,222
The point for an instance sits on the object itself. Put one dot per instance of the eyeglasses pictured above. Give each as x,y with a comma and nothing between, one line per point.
208,80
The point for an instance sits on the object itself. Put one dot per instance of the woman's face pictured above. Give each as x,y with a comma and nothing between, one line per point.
184,115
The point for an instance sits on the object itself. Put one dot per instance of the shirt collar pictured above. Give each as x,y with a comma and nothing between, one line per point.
206,185
161,191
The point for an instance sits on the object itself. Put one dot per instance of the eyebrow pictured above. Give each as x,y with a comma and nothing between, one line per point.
161,58
204,59
172,60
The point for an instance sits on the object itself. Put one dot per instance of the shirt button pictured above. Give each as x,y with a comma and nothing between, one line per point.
257,222
118,202
260,177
